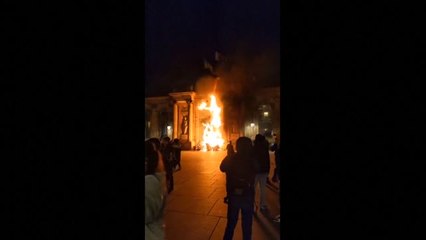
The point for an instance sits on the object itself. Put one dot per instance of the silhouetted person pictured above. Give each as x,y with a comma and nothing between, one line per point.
229,153
166,150
177,148
164,161
156,143
261,153
240,172
276,147
273,148
155,193
230,149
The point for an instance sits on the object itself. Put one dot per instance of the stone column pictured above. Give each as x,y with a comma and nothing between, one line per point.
154,123
191,122
196,127
175,120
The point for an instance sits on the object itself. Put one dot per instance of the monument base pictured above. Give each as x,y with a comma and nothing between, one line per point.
184,140
186,146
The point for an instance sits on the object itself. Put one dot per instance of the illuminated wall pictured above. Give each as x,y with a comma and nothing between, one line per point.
165,115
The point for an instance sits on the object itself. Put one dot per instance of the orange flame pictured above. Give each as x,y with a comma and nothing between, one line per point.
212,135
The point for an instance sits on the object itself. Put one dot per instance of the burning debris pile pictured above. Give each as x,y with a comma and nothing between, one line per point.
212,135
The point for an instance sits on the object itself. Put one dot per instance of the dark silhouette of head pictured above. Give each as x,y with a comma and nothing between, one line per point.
259,138
176,141
151,158
244,146
156,142
166,139
230,149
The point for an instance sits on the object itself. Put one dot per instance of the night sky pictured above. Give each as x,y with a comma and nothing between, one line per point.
179,34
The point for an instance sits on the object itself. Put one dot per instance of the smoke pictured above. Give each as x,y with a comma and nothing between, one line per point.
205,85
238,78
243,72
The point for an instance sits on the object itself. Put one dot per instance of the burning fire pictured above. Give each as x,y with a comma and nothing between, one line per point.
212,135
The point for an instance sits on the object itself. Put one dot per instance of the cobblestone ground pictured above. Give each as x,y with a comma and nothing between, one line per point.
195,209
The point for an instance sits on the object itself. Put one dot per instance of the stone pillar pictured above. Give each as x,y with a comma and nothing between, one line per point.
182,106
191,122
196,128
154,123
175,120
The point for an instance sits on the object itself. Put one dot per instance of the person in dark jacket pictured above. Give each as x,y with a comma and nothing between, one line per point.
240,172
276,147
229,153
164,162
177,148
261,153
230,149
166,150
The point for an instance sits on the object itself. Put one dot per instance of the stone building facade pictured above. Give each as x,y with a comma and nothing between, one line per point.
177,116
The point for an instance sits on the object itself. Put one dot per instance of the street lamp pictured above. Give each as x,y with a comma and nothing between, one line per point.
169,132
252,130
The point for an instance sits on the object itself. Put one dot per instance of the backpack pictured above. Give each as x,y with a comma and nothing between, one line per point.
239,185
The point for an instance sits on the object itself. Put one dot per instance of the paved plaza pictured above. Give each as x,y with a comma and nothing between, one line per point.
195,209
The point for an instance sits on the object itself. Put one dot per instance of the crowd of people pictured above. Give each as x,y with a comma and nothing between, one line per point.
246,168
162,158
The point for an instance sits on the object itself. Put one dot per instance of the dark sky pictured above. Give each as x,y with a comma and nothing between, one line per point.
179,34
